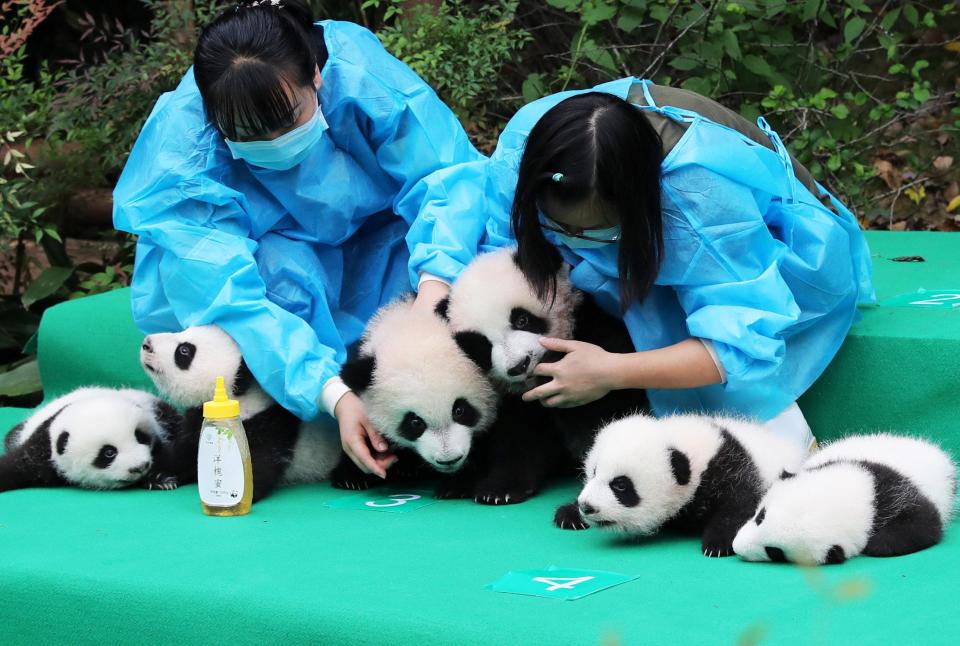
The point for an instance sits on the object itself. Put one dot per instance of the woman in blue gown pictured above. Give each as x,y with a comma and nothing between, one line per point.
737,275
267,191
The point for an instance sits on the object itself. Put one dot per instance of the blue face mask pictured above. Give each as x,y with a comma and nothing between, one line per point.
284,152
588,239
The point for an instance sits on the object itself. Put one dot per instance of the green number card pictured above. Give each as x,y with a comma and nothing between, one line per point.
940,299
385,500
558,583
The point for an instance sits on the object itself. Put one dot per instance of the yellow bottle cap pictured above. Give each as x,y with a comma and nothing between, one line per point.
221,407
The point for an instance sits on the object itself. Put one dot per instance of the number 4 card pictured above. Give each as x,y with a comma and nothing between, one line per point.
558,583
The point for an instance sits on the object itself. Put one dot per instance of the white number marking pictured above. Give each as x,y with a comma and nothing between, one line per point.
398,499
567,583
937,299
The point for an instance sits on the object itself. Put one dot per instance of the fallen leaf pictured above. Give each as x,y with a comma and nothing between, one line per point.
899,226
954,204
952,190
953,47
943,138
887,172
916,195
943,162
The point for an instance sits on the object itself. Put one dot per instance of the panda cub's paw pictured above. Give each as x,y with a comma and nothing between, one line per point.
346,475
160,482
568,517
715,547
492,492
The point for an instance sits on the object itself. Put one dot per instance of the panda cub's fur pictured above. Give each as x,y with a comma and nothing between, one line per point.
419,389
687,472
879,495
499,320
96,438
283,449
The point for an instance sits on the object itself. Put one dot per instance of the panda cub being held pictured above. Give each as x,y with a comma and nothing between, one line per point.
421,391
283,449
687,472
879,495
95,438
498,318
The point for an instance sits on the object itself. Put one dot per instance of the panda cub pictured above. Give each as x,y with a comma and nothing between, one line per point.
420,390
499,320
283,449
879,495
96,438
686,472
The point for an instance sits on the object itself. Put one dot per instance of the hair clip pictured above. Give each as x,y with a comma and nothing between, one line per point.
557,177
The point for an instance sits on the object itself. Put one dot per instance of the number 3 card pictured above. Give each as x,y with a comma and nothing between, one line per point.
558,583
395,502
940,299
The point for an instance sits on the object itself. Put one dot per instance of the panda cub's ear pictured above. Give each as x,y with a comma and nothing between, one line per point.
477,347
440,309
680,464
358,374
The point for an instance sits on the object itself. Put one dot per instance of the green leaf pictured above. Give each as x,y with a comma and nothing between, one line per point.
22,380
630,18
840,111
533,88
888,20
853,28
684,63
48,282
566,5
597,13
731,45
758,66
911,14
834,162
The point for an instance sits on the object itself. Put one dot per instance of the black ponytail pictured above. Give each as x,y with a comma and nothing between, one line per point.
593,147
249,58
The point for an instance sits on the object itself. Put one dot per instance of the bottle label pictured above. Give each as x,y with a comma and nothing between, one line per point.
219,467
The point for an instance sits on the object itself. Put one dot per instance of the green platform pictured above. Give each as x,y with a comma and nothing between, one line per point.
127,567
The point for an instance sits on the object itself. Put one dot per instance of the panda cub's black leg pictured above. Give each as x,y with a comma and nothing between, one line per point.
347,475
722,528
568,517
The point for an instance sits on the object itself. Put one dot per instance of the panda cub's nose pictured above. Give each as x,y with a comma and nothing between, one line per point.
147,346
586,509
519,368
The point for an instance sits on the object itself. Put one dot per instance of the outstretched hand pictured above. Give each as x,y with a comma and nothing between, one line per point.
584,374
361,441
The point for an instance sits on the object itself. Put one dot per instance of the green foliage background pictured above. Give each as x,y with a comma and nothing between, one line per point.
864,92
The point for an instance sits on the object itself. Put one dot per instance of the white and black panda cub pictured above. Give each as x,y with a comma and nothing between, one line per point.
879,495
96,438
423,394
686,472
498,319
283,449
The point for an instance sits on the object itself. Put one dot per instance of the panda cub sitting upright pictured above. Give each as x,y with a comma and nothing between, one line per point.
499,320
879,495
420,390
96,438
283,449
687,472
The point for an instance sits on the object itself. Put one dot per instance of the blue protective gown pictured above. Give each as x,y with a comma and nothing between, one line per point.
753,261
290,263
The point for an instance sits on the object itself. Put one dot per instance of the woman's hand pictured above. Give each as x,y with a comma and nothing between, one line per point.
357,435
586,373
430,293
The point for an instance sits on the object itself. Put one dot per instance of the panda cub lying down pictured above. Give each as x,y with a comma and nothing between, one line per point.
687,472
95,438
283,449
879,495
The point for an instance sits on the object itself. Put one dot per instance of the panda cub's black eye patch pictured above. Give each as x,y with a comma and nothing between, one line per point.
525,321
142,436
463,413
412,426
106,456
624,491
183,356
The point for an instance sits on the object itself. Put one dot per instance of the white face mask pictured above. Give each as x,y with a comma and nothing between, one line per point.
287,150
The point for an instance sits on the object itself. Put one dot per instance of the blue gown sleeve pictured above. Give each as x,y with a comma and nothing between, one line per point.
725,266
195,258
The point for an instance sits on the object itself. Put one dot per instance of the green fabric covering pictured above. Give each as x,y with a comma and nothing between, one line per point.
133,566
898,368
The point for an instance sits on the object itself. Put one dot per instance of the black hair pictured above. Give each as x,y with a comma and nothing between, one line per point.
248,59
608,154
